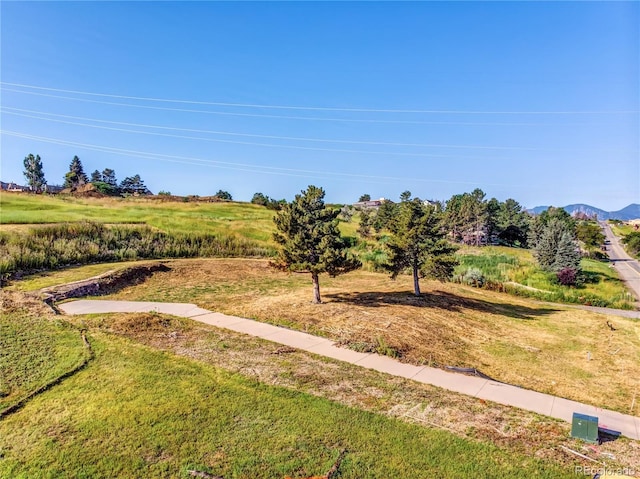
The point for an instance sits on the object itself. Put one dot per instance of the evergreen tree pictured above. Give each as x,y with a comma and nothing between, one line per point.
557,247
260,199
364,228
418,244
224,195
453,217
109,177
365,197
540,222
385,214
512,223
34,173
309,239
567,253
96,176
133,185
76,175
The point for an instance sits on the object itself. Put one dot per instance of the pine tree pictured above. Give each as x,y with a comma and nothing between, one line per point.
109,177
34,173
418,244
567,253
309,239
133,185
76,175
96,176
557,247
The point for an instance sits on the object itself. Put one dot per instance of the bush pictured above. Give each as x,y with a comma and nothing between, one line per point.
567,276
474,277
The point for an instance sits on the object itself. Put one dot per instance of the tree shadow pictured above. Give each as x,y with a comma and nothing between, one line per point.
439,300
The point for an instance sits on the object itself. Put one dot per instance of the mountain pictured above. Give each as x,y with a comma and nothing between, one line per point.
630,212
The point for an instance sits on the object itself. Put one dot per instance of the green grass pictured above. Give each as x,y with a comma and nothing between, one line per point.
622,229
514,270
121,418
33,352
241,219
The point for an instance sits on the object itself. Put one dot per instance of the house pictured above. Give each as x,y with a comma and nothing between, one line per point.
370,204
13,187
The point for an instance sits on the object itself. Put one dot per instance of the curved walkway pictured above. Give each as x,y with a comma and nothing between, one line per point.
472,386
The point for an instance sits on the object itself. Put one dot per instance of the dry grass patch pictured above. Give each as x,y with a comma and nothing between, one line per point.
541,347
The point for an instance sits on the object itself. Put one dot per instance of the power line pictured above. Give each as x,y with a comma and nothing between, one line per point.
421,145
285,117
224,164
297,147
310,108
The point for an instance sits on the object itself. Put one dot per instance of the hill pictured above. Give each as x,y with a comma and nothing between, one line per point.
630,212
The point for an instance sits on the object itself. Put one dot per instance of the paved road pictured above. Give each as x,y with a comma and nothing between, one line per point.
472,386
627,267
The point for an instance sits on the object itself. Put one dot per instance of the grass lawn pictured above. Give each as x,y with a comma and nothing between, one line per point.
241,219
514,340
119,417
34,350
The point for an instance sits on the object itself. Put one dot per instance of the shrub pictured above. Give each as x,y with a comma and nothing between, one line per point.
474,277
567,276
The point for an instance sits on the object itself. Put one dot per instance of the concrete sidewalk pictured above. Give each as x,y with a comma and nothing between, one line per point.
472,386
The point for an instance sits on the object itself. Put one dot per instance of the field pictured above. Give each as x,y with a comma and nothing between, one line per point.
246,227
118,417
239,219
514,270
240,407
515,340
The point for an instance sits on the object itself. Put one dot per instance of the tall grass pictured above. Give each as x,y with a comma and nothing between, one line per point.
65,244
515,272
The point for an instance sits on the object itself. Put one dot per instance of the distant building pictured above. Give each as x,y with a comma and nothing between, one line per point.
13,187
370,204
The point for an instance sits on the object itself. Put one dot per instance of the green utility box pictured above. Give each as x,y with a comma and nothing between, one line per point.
584,427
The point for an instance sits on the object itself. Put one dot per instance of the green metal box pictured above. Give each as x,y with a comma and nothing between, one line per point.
584,427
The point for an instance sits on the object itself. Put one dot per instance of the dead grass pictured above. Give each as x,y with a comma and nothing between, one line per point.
510,339
269,363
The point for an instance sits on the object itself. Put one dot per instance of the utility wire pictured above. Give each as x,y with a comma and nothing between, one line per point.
224,164
297,147
9,110
280,117
310,108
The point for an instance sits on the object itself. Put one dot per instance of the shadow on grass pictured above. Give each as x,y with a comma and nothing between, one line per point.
439,300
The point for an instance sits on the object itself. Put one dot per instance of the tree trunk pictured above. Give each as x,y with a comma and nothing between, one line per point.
416,281
316,288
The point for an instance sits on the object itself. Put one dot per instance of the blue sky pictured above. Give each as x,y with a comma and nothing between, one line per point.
538,101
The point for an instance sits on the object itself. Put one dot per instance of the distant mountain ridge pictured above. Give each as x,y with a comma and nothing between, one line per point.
627,213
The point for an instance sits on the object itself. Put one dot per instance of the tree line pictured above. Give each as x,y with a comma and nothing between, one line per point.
104,182
419,237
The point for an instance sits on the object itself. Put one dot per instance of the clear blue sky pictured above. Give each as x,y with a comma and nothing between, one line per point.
537,101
